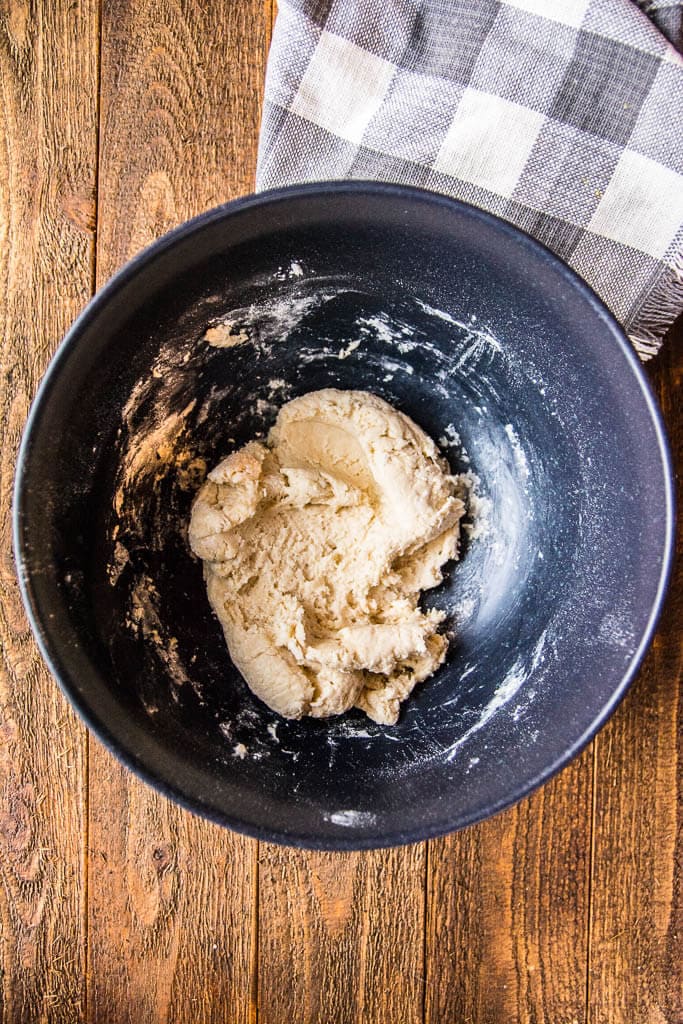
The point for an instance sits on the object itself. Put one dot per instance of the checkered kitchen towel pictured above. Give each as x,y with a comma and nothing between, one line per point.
562,116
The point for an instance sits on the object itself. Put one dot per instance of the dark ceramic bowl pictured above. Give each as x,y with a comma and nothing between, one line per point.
493,346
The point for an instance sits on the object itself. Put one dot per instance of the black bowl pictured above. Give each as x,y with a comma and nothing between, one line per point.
491,344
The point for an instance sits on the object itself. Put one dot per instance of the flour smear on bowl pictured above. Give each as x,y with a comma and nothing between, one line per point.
159,460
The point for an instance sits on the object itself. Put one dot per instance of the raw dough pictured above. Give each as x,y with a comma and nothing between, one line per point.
225,336
316,547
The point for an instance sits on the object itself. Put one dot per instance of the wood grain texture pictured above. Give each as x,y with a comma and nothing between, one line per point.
171,898
341,936
181,94
171,909
508,911
48,77
636,962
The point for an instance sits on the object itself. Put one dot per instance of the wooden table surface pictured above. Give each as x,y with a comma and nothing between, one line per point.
119,120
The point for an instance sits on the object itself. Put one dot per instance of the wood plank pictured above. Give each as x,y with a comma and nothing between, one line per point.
636,962
172,898
48,150
508,911
341,936
171,907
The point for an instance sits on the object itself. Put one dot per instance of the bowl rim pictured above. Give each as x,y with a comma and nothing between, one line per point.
347,838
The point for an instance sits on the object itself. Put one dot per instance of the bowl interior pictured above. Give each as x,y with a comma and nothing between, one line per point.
498,353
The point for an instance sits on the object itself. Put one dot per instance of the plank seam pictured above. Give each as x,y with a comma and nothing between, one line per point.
93,289
254,1015
98,142
591,870
425,936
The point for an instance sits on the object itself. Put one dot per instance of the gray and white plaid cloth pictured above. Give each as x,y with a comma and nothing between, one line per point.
562,116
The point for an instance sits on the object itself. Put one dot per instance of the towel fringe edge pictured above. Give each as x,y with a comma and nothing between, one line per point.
661,307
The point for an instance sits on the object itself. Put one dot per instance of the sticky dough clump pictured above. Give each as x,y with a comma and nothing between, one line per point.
316,546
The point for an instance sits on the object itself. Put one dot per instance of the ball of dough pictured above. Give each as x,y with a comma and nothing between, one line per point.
316,546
